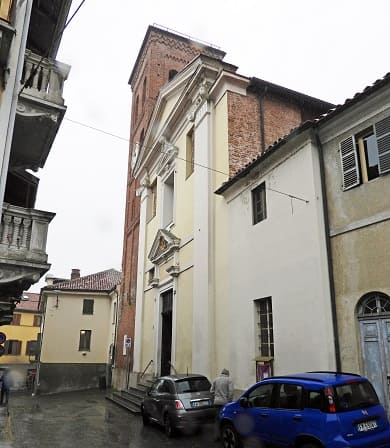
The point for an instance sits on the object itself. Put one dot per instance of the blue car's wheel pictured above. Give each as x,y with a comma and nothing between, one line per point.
230,437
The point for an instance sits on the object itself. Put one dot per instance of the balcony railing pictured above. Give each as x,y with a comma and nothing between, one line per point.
44,78
23,234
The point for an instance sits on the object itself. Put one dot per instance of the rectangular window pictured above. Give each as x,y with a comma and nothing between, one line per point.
37,320
259,207
190,148
366,155
16,319
265,332
152,201
88,306
12,347
85,340
31,347
168,198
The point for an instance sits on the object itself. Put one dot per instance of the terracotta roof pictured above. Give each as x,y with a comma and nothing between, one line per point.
307,124
101,281
32,304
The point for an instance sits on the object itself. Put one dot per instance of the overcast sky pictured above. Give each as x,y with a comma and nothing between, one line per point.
327,49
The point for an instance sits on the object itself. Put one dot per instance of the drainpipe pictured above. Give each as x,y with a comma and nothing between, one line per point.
36,382
9,103
261,96
328,252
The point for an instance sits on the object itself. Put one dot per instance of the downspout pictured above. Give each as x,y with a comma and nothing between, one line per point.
16,74
36,382
116,327
328,251
260,97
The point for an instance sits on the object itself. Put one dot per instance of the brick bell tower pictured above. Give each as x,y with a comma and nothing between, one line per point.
163,53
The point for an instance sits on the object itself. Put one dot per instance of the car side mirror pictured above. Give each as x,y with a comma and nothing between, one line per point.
244,403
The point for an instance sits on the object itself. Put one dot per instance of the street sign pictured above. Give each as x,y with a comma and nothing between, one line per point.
3,337
128,342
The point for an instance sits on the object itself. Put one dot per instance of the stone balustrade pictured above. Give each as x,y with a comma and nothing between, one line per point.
44,78
23,234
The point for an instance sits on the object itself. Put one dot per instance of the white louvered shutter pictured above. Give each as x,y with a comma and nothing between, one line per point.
382,132
349,163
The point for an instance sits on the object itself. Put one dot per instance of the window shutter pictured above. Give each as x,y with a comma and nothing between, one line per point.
349,163
382,132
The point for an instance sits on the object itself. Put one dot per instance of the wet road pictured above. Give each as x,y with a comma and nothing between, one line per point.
84,420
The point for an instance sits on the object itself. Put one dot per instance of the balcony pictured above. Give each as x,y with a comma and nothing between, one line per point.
39,112
6,32
23,258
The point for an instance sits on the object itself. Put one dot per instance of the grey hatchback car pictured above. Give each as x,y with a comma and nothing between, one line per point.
178,402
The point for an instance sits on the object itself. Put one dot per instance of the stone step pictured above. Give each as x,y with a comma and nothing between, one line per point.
123,402
133,395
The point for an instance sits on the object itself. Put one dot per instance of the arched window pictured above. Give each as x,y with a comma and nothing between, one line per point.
374,304
144,92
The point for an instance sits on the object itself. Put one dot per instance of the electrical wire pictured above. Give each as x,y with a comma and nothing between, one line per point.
180,158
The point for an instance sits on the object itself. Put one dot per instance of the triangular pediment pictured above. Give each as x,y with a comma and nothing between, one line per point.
164,245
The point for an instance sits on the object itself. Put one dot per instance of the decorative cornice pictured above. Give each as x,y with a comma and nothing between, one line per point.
35,112
163,247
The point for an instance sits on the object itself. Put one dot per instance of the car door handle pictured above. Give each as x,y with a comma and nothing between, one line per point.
263,415
297,417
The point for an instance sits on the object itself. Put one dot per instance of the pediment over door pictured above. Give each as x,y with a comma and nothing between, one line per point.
163,247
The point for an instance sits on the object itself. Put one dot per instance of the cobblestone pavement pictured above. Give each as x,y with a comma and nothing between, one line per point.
84,420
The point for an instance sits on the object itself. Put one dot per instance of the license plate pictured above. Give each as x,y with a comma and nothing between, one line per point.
367,426
199,403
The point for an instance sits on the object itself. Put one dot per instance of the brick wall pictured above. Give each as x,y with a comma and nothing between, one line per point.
280,116
243,130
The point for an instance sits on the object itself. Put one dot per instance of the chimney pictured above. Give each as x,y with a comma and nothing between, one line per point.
75,274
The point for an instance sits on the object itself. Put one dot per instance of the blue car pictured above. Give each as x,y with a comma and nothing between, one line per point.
307,410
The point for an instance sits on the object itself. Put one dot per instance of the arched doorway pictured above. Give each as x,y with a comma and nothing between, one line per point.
373,312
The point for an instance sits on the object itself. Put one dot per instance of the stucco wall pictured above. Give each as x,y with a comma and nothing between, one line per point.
282,257
64,320
359,221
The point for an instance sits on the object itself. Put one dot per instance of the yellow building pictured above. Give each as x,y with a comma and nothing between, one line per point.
22,338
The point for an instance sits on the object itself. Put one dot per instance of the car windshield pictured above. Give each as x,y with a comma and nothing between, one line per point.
355,395
187,385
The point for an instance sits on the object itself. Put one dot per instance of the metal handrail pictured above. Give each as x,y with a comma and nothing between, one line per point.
173,367
146,368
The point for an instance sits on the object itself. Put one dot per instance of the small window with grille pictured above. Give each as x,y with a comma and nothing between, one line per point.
265,331
374,304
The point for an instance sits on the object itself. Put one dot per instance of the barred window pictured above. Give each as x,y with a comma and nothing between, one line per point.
265,327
